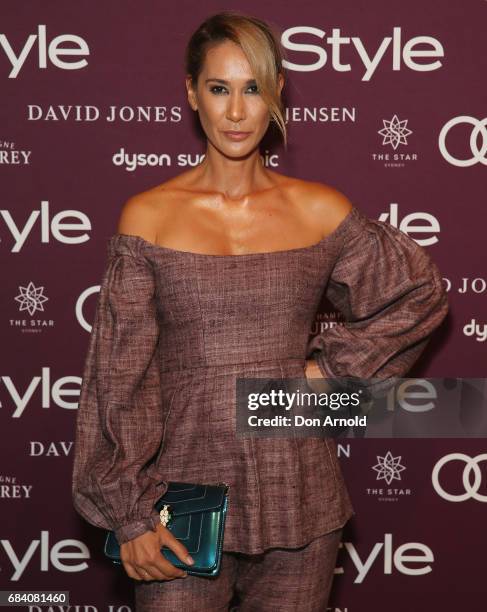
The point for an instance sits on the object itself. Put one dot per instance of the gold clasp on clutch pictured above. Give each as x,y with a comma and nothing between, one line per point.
224,484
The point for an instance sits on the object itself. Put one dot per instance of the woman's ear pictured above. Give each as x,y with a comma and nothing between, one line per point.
191,93
280,83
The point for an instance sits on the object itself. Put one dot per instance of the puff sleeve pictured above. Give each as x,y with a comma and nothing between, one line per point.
119,422
392,297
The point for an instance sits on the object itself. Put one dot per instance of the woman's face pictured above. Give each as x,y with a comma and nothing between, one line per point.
227,99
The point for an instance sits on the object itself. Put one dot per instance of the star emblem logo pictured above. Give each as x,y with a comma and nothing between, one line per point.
31,298
394,132
388,468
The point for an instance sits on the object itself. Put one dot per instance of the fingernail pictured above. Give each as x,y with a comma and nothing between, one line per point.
189,560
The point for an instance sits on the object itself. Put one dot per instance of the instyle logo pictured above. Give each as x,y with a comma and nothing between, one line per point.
46,51
62,392
39,227
66,556
413,223
392,49
401,559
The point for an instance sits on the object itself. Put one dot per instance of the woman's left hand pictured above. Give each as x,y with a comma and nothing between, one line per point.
312,369
314,378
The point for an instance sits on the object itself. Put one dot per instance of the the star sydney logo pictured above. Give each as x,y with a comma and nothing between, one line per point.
394,132
388,468
31,298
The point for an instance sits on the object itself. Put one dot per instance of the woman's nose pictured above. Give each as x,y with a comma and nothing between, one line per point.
235,108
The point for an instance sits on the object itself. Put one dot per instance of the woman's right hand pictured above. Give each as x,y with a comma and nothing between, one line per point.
143,560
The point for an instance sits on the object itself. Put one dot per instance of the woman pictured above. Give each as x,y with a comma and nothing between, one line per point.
217,274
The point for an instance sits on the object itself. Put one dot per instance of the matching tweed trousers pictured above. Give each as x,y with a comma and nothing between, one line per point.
280,579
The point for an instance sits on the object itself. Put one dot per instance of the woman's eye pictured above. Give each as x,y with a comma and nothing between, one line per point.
216,87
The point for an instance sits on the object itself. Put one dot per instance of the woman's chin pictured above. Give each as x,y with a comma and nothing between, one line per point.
237,150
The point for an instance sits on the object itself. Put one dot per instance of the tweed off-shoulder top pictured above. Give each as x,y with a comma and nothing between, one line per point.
174,329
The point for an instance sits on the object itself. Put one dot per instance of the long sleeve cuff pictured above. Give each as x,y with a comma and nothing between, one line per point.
136,528
343,384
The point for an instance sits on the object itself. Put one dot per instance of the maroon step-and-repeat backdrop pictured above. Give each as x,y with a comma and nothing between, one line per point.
386,101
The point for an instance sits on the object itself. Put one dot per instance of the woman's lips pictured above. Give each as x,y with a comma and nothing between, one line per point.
236,135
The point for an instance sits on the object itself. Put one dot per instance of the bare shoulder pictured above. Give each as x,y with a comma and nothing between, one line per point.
325,203
141,213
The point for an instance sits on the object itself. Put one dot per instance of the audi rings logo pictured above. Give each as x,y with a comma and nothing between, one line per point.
471,467
479,128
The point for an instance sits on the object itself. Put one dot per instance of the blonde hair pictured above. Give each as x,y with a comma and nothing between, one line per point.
259,42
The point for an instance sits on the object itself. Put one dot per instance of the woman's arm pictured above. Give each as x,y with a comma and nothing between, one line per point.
392,297
119,419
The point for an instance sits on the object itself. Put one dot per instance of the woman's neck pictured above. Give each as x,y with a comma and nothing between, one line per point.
233,178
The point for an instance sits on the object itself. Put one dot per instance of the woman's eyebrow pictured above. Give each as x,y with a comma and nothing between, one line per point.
248,81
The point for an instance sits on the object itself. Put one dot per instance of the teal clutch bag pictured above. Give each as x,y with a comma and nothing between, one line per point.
196,518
